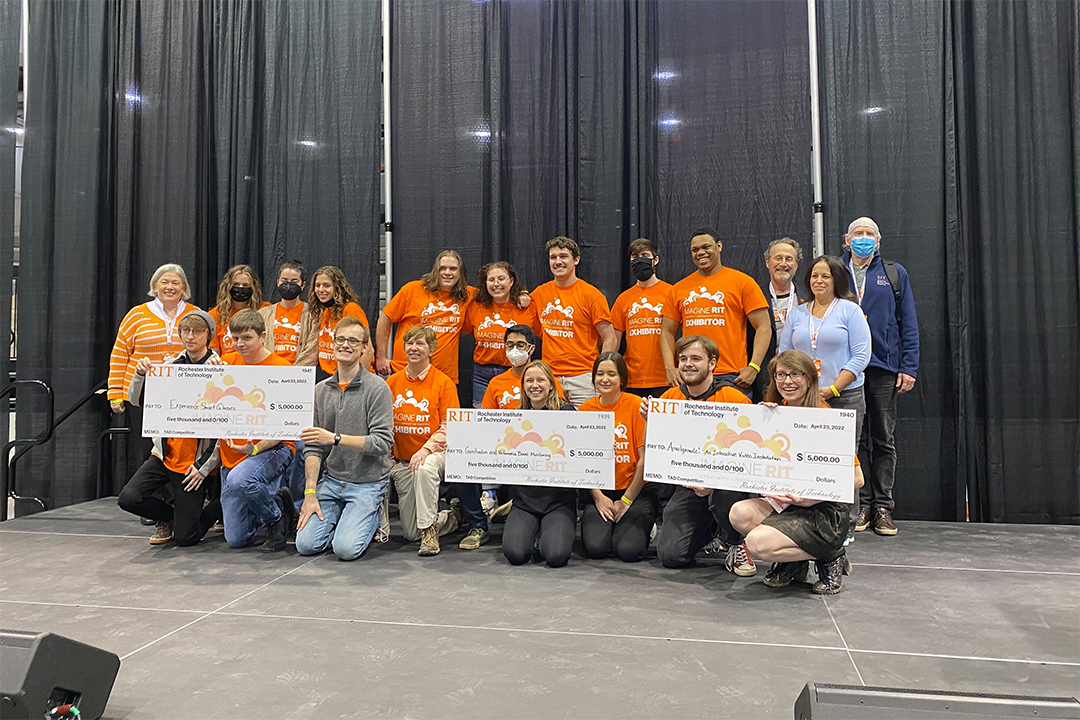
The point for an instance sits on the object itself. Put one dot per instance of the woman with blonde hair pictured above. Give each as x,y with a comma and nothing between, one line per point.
238,290
786,529
547,512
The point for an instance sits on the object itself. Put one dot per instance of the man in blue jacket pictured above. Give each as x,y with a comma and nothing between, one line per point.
884,293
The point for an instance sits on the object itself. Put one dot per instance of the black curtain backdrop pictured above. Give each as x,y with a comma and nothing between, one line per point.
203,133
10,15
955,126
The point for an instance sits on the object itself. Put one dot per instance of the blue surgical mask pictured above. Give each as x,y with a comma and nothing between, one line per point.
863,246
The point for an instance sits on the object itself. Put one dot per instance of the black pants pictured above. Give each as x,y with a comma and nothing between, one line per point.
877,446
628,538
644,392
690,522
556,529
190,520
852,399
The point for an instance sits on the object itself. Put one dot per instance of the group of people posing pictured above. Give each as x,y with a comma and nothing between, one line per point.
847,339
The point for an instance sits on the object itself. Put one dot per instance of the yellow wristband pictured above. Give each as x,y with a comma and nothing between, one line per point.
309,491
254,449
755,366
627,500
835,392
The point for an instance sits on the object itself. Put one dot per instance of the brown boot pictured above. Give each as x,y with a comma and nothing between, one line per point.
863,521
883,522
429,541
162,534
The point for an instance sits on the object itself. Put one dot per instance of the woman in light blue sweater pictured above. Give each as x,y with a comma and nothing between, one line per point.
831,328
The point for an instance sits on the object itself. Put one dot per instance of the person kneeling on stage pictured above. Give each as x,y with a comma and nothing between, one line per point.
350,439
787,530
549,513
619,520
422,393
185,463
694,514
253,471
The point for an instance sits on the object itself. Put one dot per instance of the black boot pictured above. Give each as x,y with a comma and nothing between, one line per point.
830,576
275,539
783,574
289,507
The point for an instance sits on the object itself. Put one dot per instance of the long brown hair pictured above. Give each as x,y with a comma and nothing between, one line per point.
555,401
839,273
343,293
484,297
460,291
224,301
796,360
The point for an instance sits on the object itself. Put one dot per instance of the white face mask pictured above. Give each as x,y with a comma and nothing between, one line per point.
517,357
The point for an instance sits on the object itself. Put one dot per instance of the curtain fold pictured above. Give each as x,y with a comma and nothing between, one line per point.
10,24
204,133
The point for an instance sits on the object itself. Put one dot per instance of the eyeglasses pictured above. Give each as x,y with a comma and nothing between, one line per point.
350,341
518,345
191,331
795,375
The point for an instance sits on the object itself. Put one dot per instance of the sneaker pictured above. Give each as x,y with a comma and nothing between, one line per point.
382,535
740,562
830,576
219,527
850,538
429,541
275,531
716,546
783,574
652,533
147,522
488,504
501,512
883,522
863,521
162,534
473,539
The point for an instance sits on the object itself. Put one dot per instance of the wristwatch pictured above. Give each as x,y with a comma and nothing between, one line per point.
337,439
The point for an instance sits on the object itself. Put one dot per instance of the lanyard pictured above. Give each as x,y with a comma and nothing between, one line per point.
859,289
814,332
776,301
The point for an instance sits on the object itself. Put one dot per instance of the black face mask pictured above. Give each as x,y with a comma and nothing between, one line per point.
289,290
240,293
328,303
642,268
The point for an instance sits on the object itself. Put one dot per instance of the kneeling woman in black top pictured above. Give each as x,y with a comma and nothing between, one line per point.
803,529
550,512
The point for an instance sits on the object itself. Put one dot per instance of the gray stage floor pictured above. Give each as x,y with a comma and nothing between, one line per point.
209,632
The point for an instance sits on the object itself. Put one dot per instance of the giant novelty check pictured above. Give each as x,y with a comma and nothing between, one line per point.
531,447
806,452
266,402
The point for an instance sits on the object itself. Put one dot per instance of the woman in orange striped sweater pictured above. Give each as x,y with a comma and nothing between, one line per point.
238,290
149,330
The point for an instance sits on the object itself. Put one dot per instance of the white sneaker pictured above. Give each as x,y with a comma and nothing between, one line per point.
383,533
487,504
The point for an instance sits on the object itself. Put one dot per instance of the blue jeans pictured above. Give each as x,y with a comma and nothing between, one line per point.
350,518
247,494
481,376
472,512
294,476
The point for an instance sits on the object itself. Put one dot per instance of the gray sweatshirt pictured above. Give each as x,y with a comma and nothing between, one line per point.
364,407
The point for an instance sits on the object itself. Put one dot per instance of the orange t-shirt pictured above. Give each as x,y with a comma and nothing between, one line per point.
414,305
223,341
231,458
326,335
488,326
639,313
419,408
287,330
725,394
568,318
629,434
716,307
180,453
504,392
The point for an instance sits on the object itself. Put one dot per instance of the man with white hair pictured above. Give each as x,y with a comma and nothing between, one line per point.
884,293
782,259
